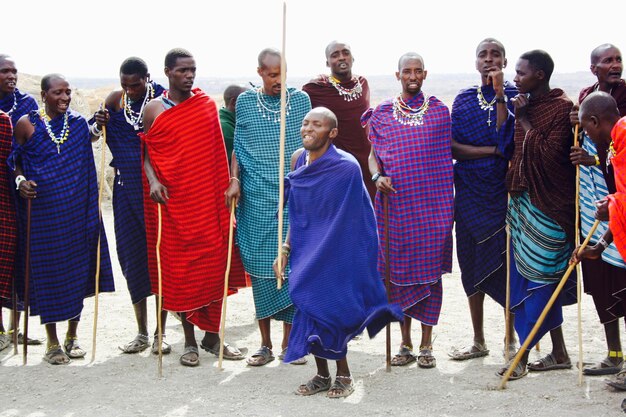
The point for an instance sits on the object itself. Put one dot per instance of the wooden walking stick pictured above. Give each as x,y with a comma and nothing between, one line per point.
281,163
578,278
231,228
387,278
545,311
98,255
507,306
14,320
160,288
26,281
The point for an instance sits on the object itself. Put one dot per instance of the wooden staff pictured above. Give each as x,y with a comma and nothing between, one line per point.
100,225
545,311
231,228
160,287
507,306
281,163
578,281
26,281
387,277
14,320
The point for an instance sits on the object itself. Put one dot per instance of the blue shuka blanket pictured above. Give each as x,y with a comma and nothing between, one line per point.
334,282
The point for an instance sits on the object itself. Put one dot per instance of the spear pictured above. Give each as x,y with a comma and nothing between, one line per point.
26,281
578,283
160,289
226,275
387,278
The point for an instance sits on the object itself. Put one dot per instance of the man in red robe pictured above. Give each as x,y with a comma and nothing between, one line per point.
183,143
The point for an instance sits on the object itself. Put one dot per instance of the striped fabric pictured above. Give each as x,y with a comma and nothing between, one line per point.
593,188
130,231
540,163
542,250
8,226
418,160
352,137
271,302
480,192
25,104
64,221
257,147
185,143
335,284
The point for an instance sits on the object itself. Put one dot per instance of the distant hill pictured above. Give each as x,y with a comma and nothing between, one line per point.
90,92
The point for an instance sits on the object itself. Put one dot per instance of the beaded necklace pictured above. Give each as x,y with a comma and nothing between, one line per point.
484,104
10,112
348,94
610,154
407,115
65,131
133,118
271,110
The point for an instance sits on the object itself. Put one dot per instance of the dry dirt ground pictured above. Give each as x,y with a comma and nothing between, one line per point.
128,385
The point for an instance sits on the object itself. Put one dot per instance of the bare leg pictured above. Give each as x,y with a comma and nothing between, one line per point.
163,317
475,302
51,333
405,329
320,382
286,332
613,342
427,333
559,353
188,328
141,316
343,380
264,355
265,328
190,356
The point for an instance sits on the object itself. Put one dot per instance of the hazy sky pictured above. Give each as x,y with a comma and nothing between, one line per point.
80,38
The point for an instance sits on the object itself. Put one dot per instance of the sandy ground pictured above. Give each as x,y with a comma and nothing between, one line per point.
128,385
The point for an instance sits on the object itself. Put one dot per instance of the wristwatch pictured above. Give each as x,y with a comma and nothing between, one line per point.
502,99
376,176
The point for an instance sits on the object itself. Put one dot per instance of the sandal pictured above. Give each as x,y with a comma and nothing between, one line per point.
55,356
605,366
316,384
30,342
340,389
300,361
618,381
165,347
548,363
72,348
511,349
231,353
519,372
138,344
5,340
404,357
261,357
425,359
477,350
187,358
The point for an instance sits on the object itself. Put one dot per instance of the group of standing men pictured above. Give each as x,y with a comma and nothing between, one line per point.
373,193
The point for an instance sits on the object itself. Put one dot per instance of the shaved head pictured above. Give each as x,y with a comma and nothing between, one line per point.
332,44
409,55
327,114
599,50
46,80
600,105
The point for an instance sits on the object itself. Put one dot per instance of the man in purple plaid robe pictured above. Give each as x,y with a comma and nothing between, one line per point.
411,164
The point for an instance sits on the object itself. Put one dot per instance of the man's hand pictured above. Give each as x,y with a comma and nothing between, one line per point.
602,210
496,79
102,117
232,193
590,252
520,103
158,192
573,116
383,184
280,274
579,156
27,189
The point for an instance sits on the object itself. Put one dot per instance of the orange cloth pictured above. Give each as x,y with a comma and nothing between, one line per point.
617,201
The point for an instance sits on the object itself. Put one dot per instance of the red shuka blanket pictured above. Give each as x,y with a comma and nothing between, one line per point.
187,152
617,201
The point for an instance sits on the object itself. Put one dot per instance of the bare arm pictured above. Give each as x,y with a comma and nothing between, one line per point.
24,130
383,184
233,192
158,192
463,152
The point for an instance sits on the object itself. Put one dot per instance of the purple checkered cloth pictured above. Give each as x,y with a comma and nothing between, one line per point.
17,105
418,159
130,228
480,192
64,221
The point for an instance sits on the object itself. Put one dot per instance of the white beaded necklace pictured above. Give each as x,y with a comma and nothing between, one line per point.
348,94
268,110
406,115
10,112
135,119
65,131
484,105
